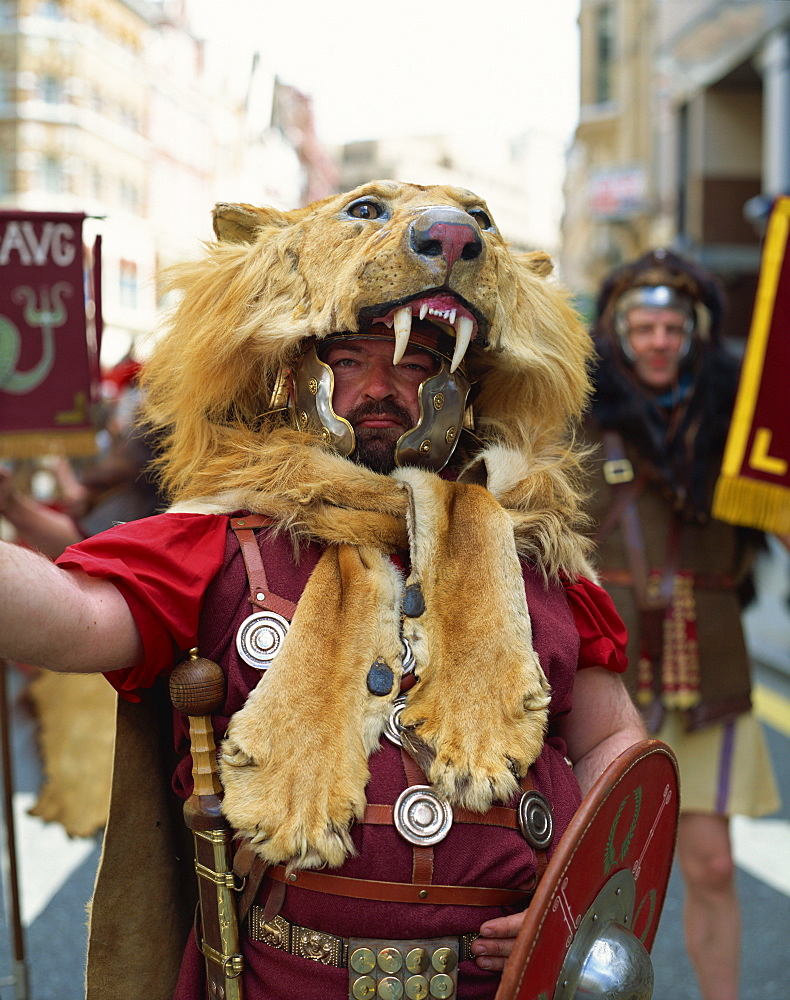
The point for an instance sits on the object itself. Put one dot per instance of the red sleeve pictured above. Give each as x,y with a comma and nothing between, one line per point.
601,630
162,566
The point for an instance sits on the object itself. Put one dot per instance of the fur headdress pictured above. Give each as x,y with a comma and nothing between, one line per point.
213,384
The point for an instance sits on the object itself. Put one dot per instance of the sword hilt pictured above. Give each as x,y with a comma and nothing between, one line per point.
197,688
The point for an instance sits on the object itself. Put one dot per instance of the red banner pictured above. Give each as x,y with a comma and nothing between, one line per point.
48,353
754,486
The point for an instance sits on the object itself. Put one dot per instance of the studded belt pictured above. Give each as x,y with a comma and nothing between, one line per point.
385,968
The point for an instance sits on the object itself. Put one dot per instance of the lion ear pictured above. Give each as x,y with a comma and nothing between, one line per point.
239,223
539,262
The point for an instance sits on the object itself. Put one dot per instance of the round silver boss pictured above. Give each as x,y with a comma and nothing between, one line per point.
392,729
260,637
535,820
422,816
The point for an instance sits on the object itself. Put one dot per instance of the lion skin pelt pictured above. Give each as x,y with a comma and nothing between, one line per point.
315,495
294,764
213,394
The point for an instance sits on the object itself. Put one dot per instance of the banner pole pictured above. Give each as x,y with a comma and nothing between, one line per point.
20,976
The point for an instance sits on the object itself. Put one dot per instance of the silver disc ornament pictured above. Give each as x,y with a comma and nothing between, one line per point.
535,819
422,816
260,638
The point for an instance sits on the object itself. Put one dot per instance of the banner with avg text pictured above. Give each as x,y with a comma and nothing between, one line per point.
754,485
49,329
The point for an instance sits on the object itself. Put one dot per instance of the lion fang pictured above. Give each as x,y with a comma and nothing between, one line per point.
463,326
402,328
463,334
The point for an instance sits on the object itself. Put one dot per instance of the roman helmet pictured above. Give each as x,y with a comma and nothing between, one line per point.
661,279
442,397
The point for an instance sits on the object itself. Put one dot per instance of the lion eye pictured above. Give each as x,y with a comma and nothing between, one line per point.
365,210
481,218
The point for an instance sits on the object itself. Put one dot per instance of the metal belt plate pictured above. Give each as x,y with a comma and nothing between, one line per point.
394,970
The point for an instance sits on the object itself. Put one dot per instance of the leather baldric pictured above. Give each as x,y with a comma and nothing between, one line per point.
260,596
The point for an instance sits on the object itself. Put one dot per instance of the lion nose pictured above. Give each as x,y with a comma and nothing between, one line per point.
446,232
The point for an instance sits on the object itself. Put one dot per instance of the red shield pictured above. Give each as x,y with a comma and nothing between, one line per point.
628,820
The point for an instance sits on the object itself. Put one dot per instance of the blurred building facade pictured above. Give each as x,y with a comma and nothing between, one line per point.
683,138
520,177
114,108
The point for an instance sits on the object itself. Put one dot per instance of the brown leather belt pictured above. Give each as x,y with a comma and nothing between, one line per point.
401,892
329,949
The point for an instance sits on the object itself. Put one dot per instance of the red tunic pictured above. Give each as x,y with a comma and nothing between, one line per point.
184,579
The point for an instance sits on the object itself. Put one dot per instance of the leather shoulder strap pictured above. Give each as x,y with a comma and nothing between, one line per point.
260,595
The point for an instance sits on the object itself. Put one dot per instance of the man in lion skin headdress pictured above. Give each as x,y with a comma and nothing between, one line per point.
367,409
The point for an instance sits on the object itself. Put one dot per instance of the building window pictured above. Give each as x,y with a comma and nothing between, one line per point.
128,284
50,89
604,53
49,8
129,196
52,174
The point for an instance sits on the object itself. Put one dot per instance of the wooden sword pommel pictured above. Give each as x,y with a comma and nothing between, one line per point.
197,688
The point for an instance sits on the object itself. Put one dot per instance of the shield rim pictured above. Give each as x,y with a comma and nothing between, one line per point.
538,909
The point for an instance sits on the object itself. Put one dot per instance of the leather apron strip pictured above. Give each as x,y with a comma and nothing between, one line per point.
399,892
260,595
249,868
422,857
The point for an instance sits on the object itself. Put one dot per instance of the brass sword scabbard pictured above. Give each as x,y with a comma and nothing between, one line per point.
197,689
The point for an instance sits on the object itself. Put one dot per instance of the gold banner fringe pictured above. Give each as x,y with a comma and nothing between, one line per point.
746,501
37,444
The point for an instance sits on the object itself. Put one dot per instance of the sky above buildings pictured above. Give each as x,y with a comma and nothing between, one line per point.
411,67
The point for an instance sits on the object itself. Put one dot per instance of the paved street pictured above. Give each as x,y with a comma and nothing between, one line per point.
57,873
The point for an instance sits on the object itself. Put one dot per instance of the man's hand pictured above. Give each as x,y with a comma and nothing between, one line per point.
496,941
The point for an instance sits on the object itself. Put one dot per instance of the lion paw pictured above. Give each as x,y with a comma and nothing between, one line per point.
291,812
476,755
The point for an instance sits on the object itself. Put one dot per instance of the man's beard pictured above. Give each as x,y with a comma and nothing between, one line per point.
375,447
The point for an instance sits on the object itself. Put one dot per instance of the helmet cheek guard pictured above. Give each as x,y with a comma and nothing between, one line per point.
429,443
313,386
432,440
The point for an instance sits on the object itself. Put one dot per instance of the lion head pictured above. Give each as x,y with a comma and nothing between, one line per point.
385,253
